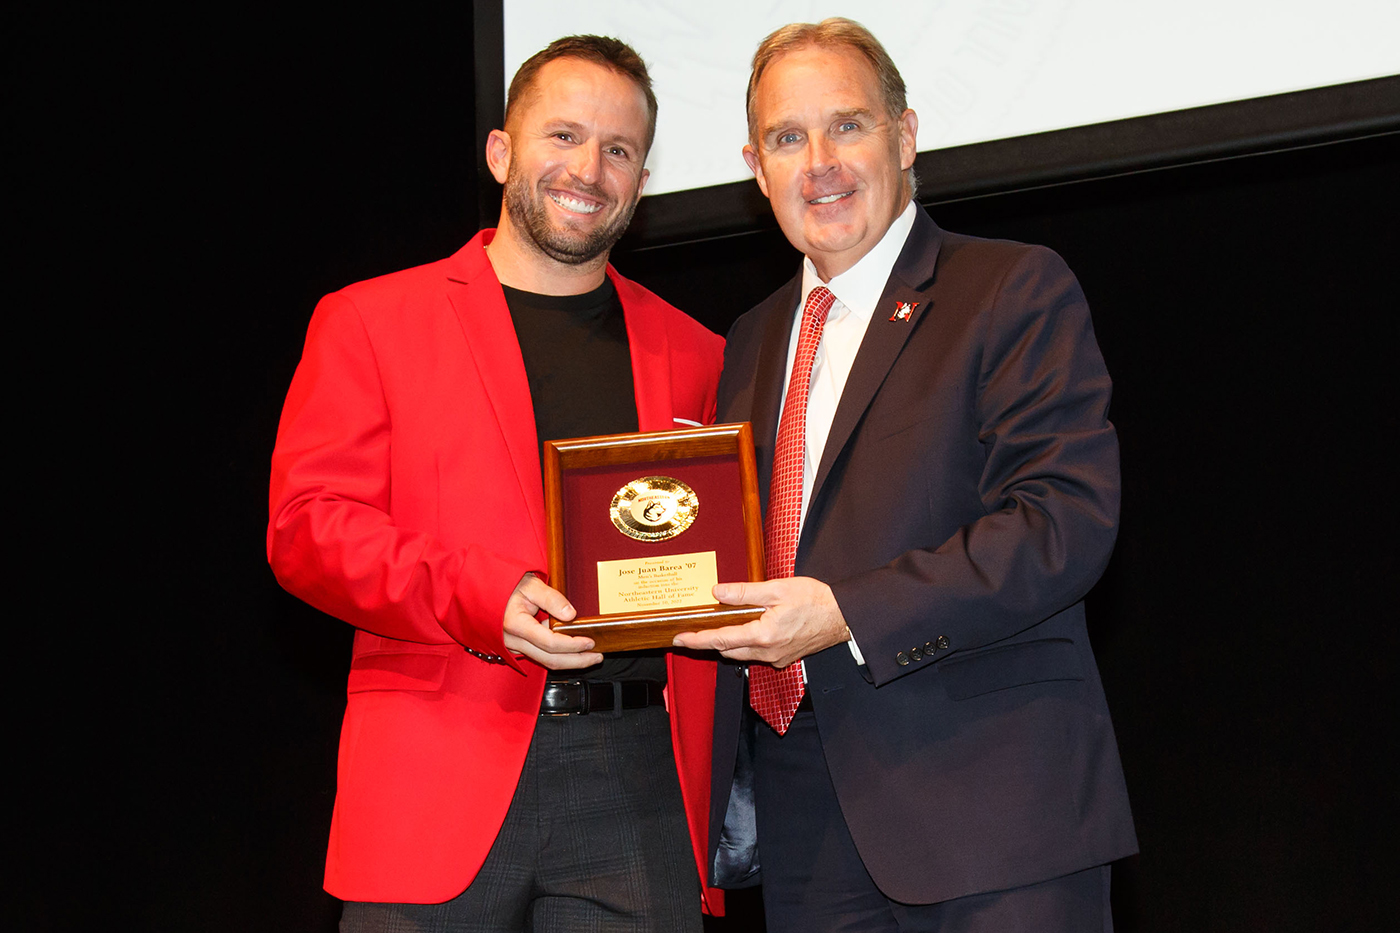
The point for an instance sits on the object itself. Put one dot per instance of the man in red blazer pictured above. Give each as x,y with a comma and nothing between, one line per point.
406,499
930,417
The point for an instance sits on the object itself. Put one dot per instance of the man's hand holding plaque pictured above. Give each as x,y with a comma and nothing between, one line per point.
525,635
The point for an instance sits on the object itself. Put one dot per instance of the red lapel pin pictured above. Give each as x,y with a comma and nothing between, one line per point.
902,310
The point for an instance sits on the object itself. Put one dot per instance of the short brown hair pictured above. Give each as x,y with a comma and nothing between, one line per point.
601,50
834,32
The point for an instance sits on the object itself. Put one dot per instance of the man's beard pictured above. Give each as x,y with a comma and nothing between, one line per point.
529,213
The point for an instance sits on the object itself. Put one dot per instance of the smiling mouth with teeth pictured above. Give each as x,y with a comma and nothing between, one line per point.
831,198
574,204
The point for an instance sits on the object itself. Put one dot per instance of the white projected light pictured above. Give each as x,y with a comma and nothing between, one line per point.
978,69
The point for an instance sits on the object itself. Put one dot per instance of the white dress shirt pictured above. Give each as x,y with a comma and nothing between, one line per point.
857,292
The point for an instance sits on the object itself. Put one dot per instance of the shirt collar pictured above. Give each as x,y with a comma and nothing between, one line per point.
859,288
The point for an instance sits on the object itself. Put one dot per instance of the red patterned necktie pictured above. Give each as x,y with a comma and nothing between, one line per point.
774,694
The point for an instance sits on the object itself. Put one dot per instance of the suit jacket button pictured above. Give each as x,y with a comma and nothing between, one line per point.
916,653
902,658
929,647
943,642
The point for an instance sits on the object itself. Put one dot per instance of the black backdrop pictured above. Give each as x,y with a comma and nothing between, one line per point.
190,188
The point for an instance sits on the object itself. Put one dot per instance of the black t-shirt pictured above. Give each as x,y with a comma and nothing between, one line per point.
580,373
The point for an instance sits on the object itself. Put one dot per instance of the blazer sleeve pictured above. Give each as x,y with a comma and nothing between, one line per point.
1048,486
331,539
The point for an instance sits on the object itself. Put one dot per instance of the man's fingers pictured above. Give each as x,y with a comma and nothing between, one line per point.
708,640
523,635
741,594
526,635
713,639
750,634
526,629
732,647
553,661
545,597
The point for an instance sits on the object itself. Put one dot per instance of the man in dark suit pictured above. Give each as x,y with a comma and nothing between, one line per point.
926,744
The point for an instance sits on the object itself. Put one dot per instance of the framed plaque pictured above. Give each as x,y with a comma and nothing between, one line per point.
641,526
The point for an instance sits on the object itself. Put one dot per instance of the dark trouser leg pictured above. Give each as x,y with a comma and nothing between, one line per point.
814,880
1076,903
618,855
595,840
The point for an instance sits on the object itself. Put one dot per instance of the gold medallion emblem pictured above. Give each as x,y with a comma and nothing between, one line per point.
654,508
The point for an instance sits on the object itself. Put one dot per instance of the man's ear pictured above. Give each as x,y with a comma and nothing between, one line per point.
498,154
908,139
642,182
756,166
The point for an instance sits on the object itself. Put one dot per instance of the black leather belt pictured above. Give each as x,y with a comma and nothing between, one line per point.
581,697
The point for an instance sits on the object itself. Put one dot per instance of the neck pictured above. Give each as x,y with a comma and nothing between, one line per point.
521,264
829,267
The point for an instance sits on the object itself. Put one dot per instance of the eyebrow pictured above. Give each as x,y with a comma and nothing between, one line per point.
779,126
554,126
551,127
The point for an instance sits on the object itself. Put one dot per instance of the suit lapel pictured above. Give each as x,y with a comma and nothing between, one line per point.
650,349
480,305
771,374
884,339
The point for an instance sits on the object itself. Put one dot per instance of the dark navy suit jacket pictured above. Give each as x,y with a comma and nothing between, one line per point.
966,501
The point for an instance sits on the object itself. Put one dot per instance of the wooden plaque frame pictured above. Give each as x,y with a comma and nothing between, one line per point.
716,446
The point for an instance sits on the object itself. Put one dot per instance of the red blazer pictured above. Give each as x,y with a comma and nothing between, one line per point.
406,499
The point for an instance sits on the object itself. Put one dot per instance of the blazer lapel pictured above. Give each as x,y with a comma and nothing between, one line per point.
649,347
884,339
771,374
480,305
